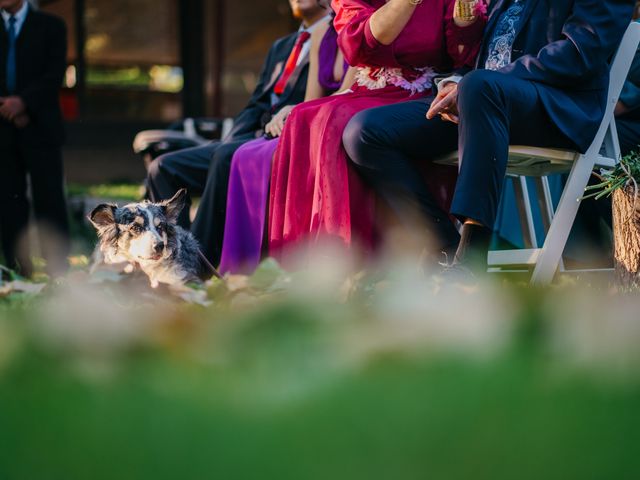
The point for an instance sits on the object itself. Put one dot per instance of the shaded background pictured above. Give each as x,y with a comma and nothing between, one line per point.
139,64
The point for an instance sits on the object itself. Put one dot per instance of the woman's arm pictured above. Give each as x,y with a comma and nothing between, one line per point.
357,43
390,19
347,81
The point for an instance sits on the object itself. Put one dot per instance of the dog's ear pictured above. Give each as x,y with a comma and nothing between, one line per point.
103,217
174,205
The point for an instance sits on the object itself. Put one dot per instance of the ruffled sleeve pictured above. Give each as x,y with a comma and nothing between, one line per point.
359,46
463,43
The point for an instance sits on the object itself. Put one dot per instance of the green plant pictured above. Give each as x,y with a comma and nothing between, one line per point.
625,173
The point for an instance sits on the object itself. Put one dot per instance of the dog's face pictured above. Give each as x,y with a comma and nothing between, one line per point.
138,232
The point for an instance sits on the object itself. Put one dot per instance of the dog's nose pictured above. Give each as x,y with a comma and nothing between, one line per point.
159,247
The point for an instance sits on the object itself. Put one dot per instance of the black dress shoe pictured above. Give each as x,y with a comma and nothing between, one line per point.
473,248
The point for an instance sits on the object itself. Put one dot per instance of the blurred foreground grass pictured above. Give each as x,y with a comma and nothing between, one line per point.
309,376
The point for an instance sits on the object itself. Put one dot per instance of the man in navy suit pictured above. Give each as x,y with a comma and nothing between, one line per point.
33,48
541,80
205,170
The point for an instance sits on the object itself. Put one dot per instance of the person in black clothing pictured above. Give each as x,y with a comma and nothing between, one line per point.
33,49
205,170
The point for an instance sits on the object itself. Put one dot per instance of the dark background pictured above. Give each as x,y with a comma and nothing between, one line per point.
139,64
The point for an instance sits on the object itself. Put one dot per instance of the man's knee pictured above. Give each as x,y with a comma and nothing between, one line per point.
158,166
361,133
479,86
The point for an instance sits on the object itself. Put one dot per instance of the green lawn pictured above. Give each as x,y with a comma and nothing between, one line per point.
319,374
285,376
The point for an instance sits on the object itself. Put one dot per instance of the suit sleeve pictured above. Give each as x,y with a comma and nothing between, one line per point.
359,46
591,36
41,92
250,118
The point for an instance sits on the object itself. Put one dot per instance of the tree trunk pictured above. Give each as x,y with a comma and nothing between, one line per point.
626,234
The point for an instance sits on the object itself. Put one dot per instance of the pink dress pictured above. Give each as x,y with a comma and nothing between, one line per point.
315,194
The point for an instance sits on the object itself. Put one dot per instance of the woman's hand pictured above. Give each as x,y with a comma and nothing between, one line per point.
473,7
276,125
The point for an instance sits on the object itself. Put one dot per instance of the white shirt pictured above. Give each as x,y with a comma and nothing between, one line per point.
306,48
21,16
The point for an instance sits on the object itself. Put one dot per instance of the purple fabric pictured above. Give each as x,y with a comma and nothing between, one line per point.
247,206
327,58
249,183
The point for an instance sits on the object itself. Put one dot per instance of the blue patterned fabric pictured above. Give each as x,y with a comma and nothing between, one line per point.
11,57
499,50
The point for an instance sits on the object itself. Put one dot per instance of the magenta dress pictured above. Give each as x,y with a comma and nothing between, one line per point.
249,182
315,194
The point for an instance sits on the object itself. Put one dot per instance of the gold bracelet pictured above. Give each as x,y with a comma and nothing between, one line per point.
465,11
415,2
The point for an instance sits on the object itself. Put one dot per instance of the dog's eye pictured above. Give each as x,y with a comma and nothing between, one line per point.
162,227
136,228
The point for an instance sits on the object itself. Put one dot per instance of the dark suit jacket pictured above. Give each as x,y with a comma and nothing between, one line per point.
41,58
565,47
258,111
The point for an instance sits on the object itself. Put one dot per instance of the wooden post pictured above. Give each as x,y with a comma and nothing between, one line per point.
626,234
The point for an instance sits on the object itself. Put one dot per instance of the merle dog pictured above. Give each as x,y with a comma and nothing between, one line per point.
145,235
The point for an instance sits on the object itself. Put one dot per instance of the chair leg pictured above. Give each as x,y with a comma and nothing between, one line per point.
545,202
563,219
523,202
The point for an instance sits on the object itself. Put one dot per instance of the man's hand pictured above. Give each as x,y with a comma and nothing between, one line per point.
21,121
446,103
276,125
11,107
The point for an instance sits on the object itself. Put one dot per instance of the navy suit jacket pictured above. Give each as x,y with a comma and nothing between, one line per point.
252,119
565,47
41,52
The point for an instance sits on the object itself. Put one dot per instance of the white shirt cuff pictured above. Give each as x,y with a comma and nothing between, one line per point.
441,82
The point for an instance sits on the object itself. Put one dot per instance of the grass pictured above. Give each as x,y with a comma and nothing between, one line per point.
284,376
120,191
318,374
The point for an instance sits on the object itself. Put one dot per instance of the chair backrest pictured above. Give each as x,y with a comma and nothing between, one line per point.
607,134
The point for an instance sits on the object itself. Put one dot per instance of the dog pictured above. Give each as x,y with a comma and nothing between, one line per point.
145,235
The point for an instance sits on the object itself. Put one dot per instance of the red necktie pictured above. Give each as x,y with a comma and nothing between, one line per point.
292,61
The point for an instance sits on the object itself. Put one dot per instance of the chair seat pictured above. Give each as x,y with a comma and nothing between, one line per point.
529,161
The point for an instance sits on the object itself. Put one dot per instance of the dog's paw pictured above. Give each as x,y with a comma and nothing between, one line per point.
129,268
155,284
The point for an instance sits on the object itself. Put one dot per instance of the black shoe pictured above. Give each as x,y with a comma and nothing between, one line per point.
473,248
459,275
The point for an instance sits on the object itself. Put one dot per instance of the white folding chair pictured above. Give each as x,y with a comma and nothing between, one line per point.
525,161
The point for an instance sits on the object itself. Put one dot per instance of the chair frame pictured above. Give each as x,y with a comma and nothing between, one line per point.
525,161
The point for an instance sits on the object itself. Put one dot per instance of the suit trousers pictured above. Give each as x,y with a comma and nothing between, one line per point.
385,143
23,157
496,110
204,171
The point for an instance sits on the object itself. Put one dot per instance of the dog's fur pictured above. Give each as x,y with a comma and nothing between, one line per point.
145,235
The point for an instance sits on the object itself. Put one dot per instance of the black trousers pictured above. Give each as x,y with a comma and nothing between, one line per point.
202,171
22,157
385,142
